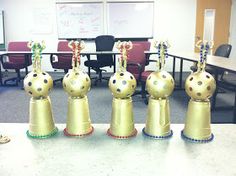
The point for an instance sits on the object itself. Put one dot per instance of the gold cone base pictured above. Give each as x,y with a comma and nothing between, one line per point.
197,125
122,123
78,118
158,119
41,123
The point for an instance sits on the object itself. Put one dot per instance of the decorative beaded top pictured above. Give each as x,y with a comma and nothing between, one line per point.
76,47
204,47
123,47
36,48
162,51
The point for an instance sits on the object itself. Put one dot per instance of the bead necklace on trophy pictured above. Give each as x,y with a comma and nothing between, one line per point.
77,84
122,85
160,85
200,86
38,84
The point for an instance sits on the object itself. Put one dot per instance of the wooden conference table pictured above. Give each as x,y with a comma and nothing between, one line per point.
101,155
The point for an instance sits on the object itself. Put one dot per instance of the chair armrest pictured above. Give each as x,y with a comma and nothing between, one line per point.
4,58
52,57
151,60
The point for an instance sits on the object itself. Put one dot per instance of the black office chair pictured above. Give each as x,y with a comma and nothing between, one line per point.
223,51
103,43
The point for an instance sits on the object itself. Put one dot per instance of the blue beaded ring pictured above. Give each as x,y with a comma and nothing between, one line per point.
196,140
158,137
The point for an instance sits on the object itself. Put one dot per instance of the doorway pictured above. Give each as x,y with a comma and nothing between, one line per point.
213,21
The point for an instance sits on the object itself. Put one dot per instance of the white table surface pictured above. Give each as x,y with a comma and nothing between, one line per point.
99,154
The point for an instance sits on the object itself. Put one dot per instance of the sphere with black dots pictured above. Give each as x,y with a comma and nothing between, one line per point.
76,83
160,84
38,84
122,84
200,85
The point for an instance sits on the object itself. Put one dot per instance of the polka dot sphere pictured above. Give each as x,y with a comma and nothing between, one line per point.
122,84
200,85
76,83
160,84
38,84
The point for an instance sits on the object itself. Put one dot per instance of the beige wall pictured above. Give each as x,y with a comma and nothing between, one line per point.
174,20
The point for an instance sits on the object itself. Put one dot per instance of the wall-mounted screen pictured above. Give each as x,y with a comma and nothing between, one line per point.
130,19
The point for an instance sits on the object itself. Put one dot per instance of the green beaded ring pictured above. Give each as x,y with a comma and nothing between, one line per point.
42,136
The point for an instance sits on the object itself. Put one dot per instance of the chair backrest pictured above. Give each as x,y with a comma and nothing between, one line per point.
105,43
63,46
137,56
18,46
145,44
223,50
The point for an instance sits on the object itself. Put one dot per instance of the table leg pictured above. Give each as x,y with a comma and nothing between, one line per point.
1,71
27,57
181,73
88,57
0,75
114,63
234,118
173,70
213,103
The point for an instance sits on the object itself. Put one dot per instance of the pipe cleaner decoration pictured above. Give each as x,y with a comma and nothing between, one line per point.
76,47
162,51
204,47
123,47
37,49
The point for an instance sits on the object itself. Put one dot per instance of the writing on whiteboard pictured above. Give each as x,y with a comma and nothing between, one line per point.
83,20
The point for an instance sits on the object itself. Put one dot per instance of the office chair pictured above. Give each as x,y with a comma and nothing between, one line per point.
103,43
223,51
136,63
229,85
17,61
224,82
61,61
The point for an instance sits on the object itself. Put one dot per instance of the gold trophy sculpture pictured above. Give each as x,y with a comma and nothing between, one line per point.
4,139
38,84
200,86
77,84
160,85
122,85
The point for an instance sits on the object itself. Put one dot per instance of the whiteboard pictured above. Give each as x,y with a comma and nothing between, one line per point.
1,28
130,20
79,20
